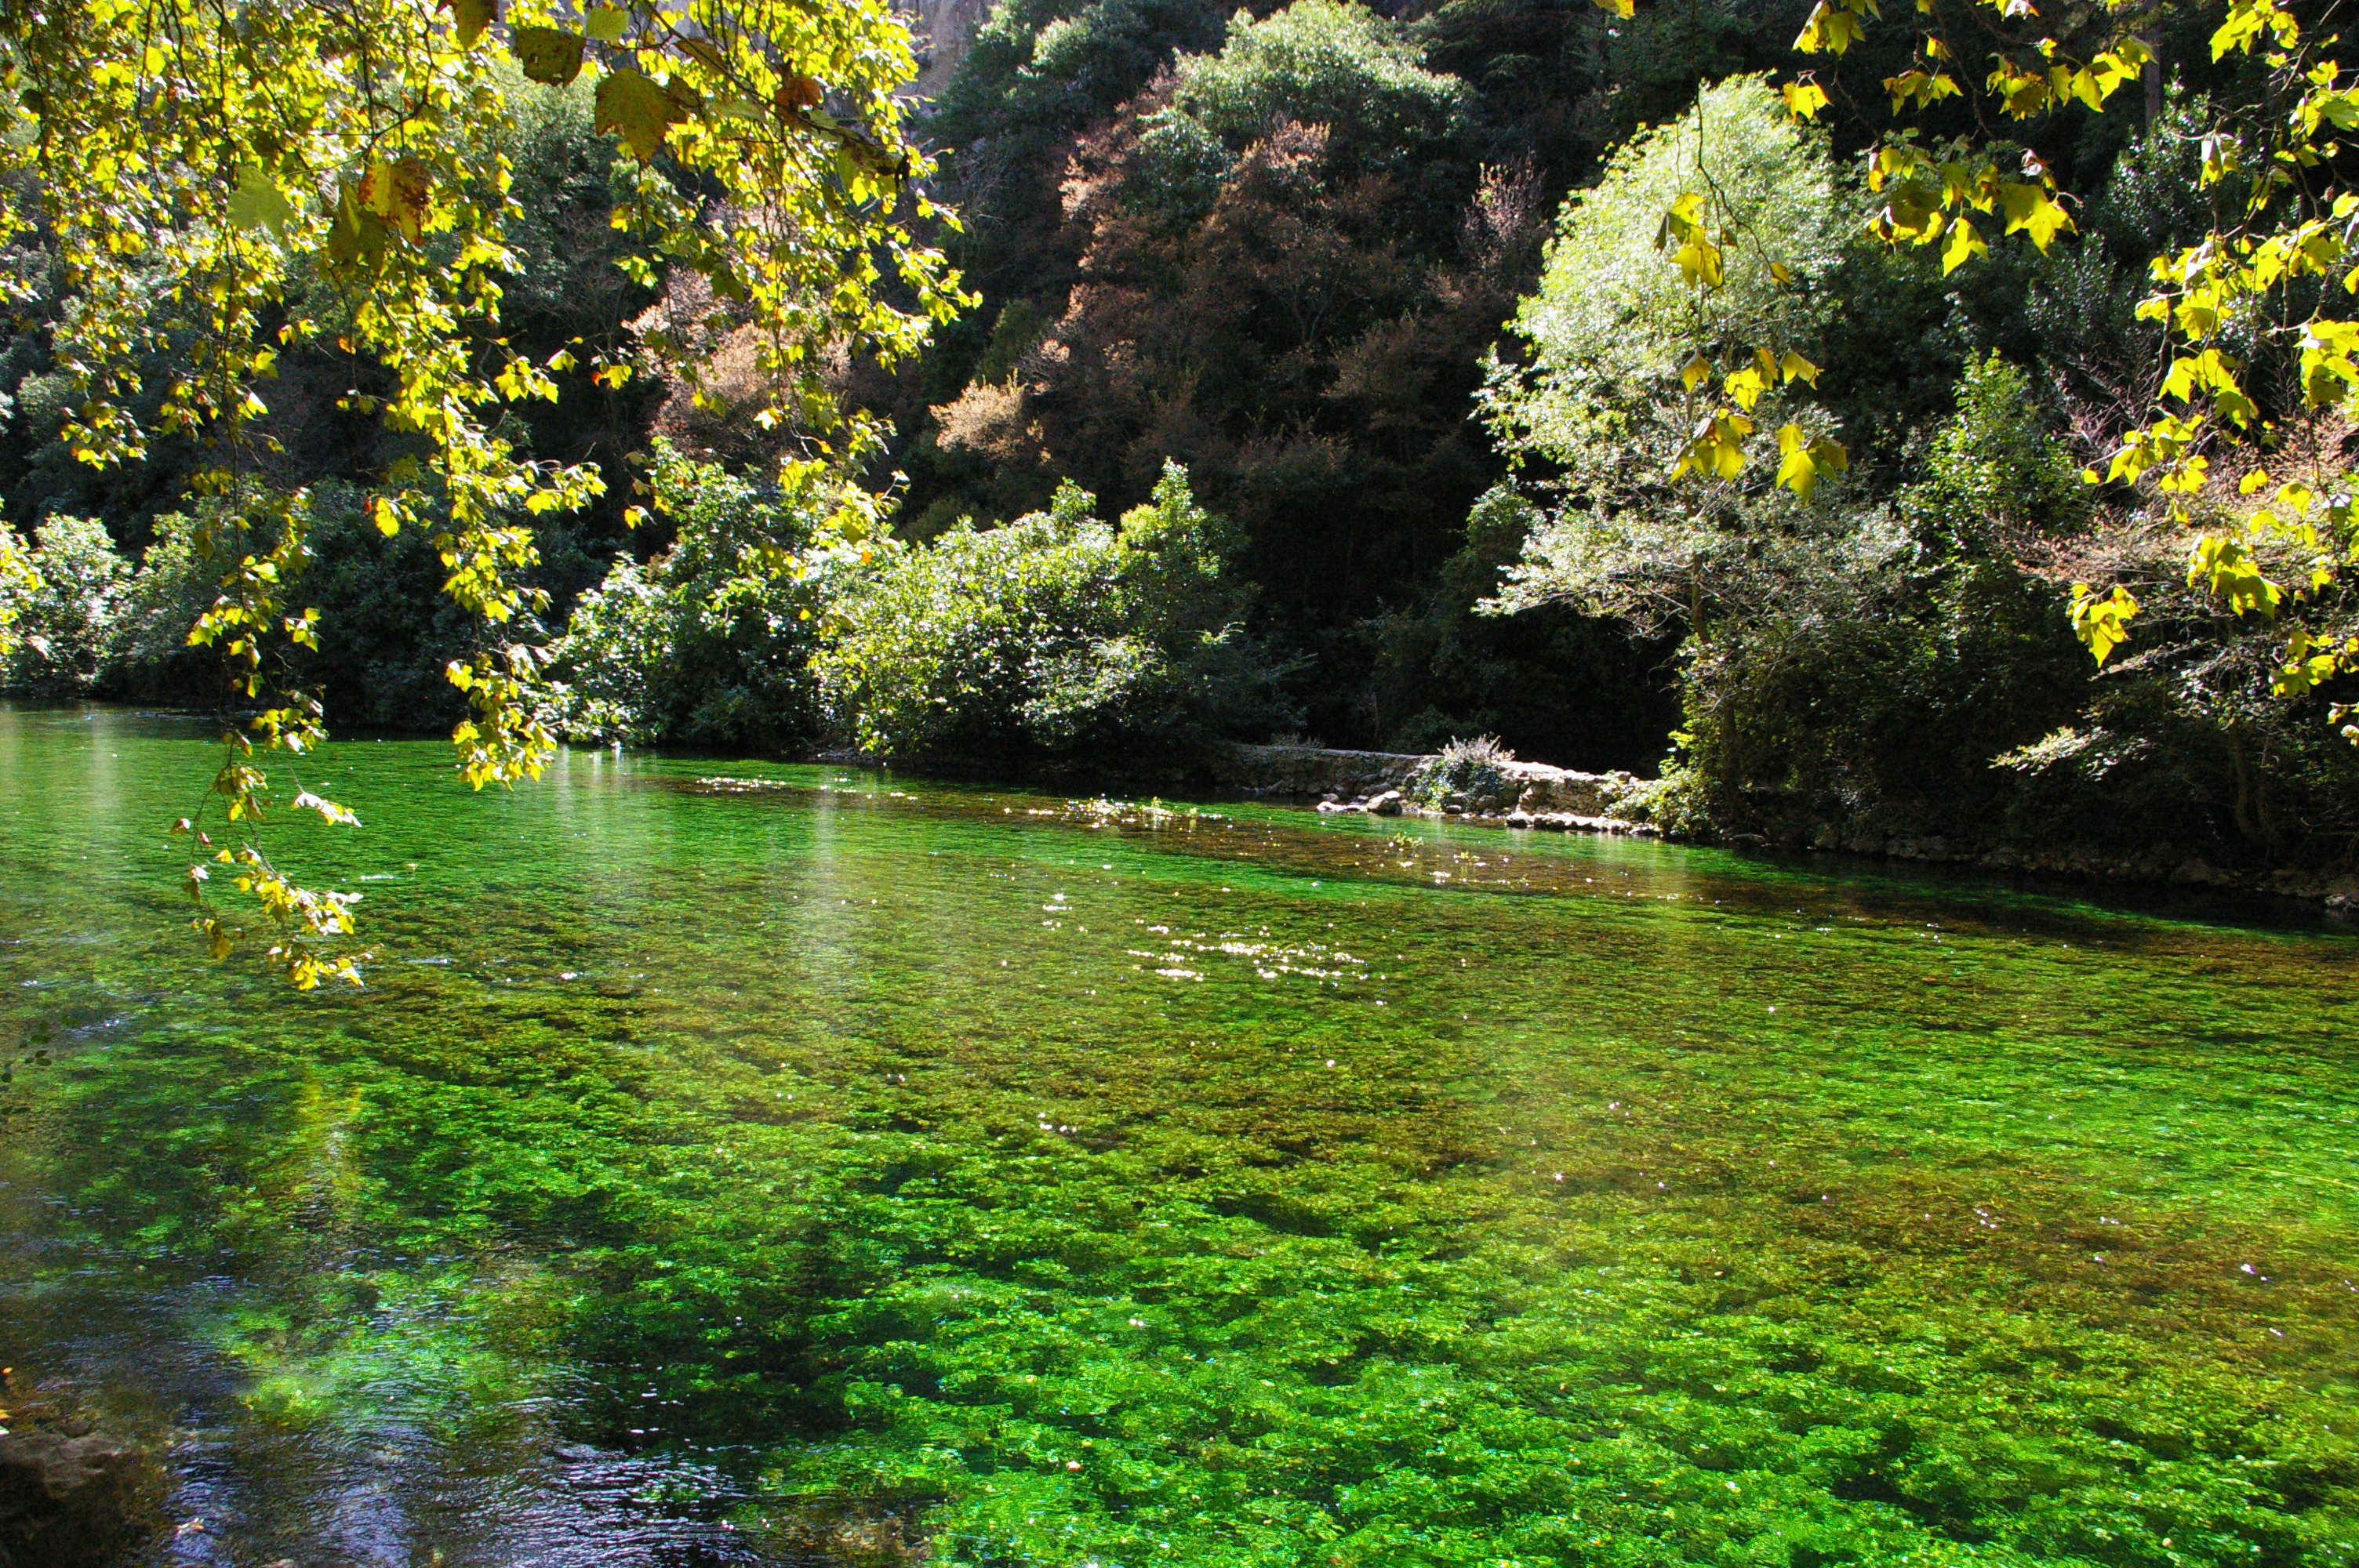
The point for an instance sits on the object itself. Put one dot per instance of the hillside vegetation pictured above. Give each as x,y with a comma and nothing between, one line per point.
1325,381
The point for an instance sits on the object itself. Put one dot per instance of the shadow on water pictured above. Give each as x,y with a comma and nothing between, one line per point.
384,1470
1469,858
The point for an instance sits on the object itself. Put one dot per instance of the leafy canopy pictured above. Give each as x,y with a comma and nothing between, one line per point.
1631,368
1616,334
1037,70
2282,229
221,179
1324,61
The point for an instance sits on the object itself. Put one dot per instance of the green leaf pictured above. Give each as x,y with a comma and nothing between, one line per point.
2030,207
2102,622
1796,472
2222,564
256,202
1964,244
605,23
636,110
358,235
1698,262
1804,99
2309,663
472,16
549,54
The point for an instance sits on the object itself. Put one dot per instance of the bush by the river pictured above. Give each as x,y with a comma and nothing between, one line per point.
1891,657
710,644
101,626
1058,635
67,624
1465,774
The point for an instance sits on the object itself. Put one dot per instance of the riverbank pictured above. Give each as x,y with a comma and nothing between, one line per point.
1542,798
1389,784
1564,800
1551,799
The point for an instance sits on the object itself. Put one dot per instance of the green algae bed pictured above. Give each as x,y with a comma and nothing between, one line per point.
736,1162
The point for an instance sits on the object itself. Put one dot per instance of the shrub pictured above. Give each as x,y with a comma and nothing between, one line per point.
1056,634
1037,70
611,664
1469,774
66,627
1869,691
151,657
709,644
1324,62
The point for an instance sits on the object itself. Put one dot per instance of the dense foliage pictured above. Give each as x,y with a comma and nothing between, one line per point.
1892,656
189,190
1279,260
707,645
1056,634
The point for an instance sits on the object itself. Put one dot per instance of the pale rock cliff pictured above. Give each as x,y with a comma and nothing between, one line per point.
938,31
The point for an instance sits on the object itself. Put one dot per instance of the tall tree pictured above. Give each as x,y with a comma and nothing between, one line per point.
1960,161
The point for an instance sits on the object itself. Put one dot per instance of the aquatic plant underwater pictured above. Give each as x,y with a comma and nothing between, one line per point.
745,1154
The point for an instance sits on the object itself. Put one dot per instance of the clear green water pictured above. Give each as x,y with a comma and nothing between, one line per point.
708,1176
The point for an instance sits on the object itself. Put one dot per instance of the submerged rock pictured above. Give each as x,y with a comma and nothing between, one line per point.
857,1532
72,1497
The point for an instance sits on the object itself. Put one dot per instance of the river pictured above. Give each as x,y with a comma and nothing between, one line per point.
736,1162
